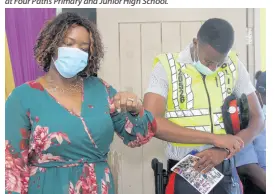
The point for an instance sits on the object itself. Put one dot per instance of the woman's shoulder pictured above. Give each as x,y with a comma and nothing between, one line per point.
30,85
26,90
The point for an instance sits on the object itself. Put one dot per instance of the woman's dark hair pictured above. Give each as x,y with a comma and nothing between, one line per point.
53,33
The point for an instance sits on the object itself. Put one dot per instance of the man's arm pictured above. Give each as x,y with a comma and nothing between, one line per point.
168,131
256,121
155,102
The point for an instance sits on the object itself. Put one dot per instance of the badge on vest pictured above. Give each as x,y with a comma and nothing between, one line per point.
182,98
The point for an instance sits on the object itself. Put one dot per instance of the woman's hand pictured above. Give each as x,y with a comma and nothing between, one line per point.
232,143
127,101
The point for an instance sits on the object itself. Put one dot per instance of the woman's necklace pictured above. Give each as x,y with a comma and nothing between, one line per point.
72,88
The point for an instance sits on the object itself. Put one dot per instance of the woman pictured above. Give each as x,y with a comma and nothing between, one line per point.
59,128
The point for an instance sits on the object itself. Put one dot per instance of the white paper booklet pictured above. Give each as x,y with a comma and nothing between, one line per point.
204,183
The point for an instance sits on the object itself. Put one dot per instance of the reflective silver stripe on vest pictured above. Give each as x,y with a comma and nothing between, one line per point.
188,81
188,89
205,128
219,126
174,80
222,84
216,117
187,113
232,68
189,93
196,112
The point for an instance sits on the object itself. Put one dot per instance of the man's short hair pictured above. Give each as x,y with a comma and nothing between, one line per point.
218,33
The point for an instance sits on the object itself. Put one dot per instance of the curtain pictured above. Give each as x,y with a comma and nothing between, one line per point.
22,28
9,81
263,38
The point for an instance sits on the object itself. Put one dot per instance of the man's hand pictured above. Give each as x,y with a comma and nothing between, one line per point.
230,142
210,158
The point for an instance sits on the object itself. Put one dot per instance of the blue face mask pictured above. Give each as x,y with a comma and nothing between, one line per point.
202,68
70,61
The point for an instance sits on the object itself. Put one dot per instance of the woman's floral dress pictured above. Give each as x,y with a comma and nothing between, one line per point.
50,150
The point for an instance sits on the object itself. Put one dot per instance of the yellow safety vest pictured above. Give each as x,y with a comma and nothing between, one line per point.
194,100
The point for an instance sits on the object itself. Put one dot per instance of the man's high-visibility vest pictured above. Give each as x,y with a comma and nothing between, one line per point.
194,100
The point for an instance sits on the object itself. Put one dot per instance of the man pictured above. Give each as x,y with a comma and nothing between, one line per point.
251,161
189,89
